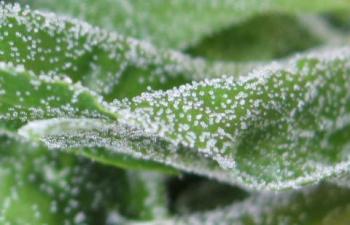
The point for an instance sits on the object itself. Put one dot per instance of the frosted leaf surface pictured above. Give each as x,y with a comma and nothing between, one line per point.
323,205
183,22
25,97
106,62
115,139
280,127
41,187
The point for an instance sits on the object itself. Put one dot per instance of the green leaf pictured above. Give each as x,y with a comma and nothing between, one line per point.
144,196
25,97
61,81
46,187
277,128
17,197
107,63
280,127
322,205
55,48
54,187
339,19
183,22
262,37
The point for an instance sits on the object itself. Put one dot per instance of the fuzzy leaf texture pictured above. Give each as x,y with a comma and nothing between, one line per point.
93,121
277,128
183,22
105,62
46,187
210,121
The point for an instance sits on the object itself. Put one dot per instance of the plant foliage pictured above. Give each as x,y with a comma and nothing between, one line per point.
98,119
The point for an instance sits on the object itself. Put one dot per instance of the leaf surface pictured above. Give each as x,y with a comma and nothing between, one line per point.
279,127
321,205
106,62
26,97
46,187
183,22
264,36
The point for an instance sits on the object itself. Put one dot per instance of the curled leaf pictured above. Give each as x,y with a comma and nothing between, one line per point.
277,128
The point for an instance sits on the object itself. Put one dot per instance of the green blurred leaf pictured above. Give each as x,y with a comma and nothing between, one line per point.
200,195
144,196
46,187
53,187
262,37
175,23
322,205
339,19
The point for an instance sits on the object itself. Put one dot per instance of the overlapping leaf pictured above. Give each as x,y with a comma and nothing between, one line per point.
54,46
277,128
107,63
26,97
43,98
280,127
